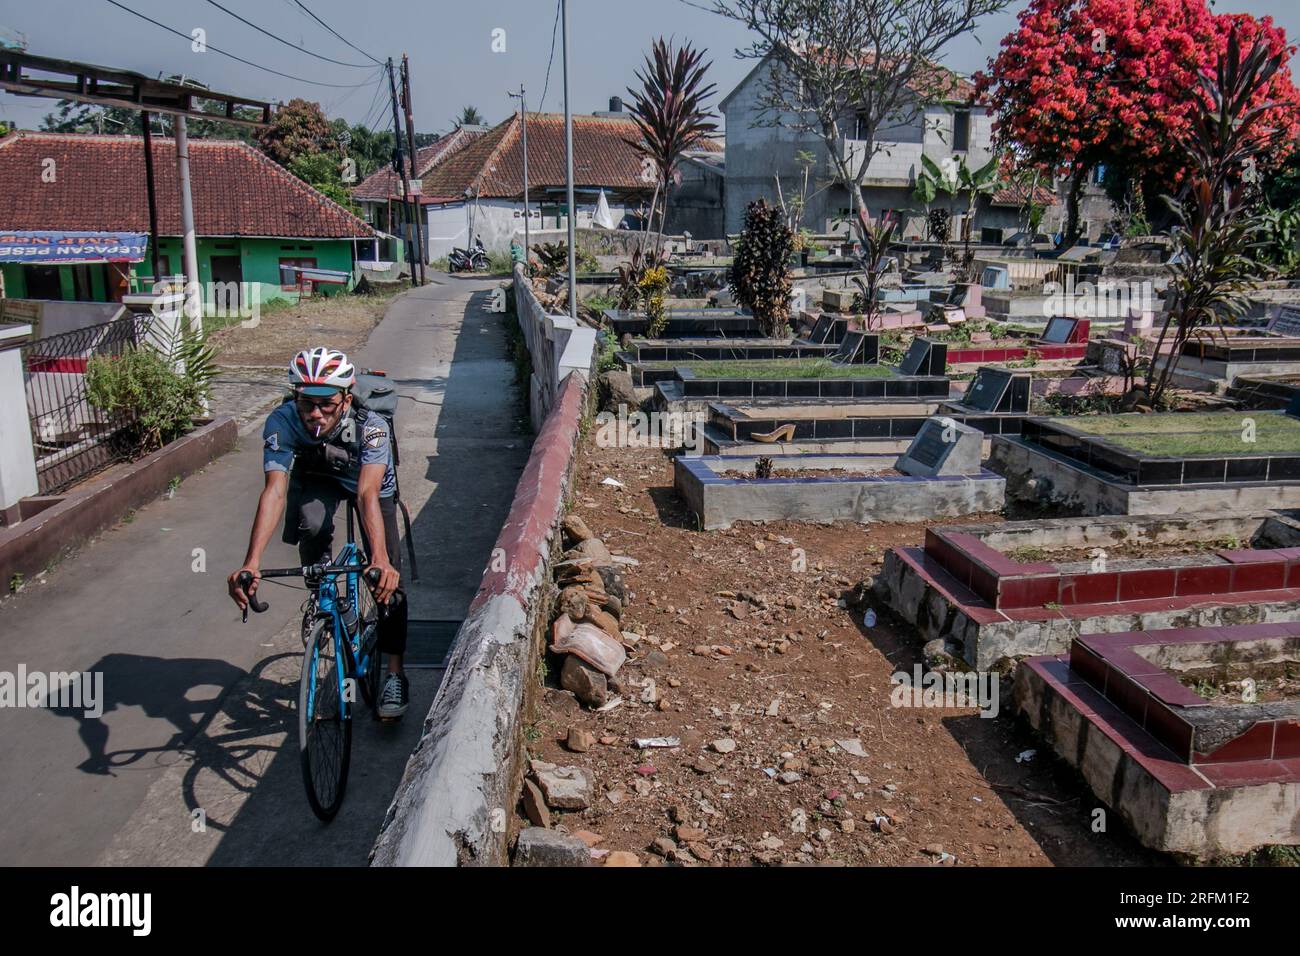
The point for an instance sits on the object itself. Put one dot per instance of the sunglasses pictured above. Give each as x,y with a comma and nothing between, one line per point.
325,406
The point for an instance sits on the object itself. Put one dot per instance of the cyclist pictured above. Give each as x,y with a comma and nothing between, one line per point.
316,450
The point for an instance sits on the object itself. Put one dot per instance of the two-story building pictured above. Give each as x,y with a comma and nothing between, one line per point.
949,126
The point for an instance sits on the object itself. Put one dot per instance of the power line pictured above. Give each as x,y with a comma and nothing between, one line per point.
239,59
336,33
541,104
287,43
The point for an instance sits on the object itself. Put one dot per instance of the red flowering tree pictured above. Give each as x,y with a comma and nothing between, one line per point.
1081,82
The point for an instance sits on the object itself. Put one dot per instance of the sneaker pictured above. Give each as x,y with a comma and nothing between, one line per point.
395,697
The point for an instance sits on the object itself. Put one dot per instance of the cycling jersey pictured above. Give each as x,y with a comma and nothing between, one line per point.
285,438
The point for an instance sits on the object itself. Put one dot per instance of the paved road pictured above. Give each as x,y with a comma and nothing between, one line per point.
195,758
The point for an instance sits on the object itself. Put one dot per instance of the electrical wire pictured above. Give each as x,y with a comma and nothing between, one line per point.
287,43
336,33
541,104
239,59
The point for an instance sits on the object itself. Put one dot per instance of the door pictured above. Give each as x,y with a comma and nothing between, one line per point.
229,270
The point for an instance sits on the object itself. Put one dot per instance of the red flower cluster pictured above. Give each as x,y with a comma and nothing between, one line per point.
1088,81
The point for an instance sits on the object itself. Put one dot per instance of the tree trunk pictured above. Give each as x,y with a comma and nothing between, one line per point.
1072,206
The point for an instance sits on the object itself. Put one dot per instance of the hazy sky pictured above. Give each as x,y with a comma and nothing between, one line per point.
450,43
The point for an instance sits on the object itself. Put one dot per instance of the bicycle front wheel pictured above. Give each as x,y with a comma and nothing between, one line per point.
324,724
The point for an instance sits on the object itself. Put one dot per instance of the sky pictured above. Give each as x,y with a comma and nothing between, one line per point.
462,52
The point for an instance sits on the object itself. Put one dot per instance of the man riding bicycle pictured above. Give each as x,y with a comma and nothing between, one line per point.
317,450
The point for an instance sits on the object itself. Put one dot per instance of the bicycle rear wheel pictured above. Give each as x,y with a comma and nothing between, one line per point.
324,728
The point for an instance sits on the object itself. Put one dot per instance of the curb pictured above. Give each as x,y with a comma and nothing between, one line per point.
27,547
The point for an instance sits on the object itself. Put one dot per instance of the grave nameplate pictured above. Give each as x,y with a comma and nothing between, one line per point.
1059,330
856,348
1287,322
924,357
821,330
985,393
943,446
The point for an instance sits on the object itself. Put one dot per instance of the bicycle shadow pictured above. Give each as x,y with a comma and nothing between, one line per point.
158,686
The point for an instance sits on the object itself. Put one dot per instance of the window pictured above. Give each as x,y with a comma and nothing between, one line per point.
859,125
961,130
289,279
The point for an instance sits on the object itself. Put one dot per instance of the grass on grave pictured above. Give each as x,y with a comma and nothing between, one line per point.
1195,433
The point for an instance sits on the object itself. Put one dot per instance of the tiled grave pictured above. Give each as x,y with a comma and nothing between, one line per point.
1155,464
1029,587
859,494
687,323
1204,775
995,404
1062,339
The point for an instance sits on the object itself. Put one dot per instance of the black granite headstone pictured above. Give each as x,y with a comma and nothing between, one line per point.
986,392
929,447
1059,330
821,330
924,357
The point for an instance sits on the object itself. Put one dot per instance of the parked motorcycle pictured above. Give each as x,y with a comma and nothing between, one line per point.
469,260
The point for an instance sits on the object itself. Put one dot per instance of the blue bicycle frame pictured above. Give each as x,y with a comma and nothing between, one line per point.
347,650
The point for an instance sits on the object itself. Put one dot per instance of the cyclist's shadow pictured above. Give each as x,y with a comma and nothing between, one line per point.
159,687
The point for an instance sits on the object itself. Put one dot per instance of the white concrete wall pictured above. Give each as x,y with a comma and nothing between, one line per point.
17,458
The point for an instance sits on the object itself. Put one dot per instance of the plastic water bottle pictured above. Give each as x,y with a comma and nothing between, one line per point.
350,620
869,619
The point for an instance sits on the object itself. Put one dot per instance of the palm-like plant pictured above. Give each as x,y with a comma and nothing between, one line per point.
877,238
669,111
1218,226
469,116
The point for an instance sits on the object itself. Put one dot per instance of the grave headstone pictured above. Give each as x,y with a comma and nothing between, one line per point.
1287,321
943,446
821,330
998,390
1059,331
996,277
858,348
924,357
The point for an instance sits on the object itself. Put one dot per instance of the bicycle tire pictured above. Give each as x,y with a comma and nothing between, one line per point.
325,755
368,614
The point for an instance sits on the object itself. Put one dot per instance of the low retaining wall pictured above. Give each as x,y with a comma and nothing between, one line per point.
558,345
52,526
454,802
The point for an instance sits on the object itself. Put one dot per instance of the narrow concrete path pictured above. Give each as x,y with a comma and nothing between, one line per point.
195,759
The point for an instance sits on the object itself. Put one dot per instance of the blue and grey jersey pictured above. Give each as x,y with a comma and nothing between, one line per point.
285,436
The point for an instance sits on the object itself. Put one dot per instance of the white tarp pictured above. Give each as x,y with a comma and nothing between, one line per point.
603,217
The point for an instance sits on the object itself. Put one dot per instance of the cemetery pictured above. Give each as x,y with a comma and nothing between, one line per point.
1068,462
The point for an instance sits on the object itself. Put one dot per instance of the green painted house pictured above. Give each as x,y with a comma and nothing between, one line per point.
258,225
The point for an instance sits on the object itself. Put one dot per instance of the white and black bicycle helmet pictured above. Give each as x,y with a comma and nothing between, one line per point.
321,371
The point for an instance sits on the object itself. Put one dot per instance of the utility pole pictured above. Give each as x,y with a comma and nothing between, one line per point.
523,120
400,165
193,296
149,191
568,164
410,142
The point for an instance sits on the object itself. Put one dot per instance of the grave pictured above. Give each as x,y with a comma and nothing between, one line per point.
837,379
1154,463
687,323
1223,359
995,404
721,490
1199,774
1023,588
1062,339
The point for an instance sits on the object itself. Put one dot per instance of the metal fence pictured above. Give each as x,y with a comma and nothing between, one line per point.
71,438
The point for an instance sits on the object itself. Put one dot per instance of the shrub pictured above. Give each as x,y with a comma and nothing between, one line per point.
760,272
141,387
653,285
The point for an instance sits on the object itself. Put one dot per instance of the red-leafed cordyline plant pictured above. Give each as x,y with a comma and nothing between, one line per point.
670,114
1217,212
877,238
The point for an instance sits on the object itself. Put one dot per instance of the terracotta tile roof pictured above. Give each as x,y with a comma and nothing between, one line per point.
100,184
493,165
384,184
1016,195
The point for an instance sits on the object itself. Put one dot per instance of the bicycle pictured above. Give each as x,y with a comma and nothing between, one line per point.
335,628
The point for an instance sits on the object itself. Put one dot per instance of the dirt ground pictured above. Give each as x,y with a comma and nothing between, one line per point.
341,322
748,638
